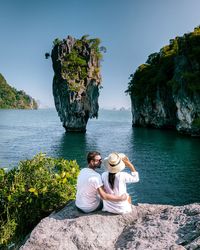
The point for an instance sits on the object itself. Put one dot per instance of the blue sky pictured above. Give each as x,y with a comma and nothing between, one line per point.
129,29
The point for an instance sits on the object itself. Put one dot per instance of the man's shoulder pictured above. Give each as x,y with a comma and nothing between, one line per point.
95,174
89,171
83,169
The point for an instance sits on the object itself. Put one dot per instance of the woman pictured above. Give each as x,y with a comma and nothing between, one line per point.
115,182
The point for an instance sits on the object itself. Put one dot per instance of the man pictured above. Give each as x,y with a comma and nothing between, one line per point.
90,187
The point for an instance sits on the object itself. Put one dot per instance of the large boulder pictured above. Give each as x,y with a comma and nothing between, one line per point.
147,227
76,82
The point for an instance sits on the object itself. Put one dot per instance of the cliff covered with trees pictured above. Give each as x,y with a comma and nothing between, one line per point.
10,98
165,91
77,79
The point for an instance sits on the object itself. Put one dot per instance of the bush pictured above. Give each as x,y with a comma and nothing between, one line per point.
32,191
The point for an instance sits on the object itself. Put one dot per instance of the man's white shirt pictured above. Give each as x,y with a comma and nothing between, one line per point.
87,198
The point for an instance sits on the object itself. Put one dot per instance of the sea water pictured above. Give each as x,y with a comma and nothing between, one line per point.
168,163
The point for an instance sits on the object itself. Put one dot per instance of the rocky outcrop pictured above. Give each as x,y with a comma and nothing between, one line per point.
147,227
187,105
76,64
165,91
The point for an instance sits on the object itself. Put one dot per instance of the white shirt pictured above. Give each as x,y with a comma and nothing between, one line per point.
87,198
121,179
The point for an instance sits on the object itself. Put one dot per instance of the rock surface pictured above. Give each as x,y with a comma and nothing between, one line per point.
76,82
147,227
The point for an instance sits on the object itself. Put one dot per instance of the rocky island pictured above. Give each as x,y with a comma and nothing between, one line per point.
77,79
10,98
165,91
147,227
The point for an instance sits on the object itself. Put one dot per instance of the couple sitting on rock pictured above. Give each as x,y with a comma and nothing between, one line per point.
92,188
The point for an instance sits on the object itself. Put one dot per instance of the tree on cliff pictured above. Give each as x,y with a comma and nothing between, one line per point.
10,98
158,71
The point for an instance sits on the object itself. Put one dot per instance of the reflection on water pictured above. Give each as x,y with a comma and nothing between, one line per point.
72,146
169,166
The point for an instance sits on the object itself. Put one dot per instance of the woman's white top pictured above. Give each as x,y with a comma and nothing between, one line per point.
121,179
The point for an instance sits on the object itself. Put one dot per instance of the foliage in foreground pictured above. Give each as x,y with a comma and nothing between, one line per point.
32,191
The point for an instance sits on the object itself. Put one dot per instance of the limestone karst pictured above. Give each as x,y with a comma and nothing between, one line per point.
165,91
77,79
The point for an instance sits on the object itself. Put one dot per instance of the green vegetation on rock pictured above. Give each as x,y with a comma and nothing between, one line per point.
10,98
175,67
81,62
32,191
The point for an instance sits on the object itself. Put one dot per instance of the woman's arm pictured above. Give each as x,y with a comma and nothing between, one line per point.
111,197
134,177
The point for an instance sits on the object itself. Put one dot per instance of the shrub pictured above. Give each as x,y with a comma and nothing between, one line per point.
32,191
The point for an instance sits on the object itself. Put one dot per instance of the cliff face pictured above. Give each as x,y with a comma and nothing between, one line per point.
147,227
76,82
165,91
10,98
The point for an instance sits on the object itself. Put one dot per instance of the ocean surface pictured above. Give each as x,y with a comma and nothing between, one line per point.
168,163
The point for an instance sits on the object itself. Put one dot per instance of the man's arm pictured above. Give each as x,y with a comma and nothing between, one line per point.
111,197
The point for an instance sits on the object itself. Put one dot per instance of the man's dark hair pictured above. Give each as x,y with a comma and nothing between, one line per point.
91,155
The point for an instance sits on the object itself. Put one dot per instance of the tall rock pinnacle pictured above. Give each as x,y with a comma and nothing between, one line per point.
76,82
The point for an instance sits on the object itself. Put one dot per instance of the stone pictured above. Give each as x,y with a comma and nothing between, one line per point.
146,227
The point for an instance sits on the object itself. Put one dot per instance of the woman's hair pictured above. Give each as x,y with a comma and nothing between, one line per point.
111,179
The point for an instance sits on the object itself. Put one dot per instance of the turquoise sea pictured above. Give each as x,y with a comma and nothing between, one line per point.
168,163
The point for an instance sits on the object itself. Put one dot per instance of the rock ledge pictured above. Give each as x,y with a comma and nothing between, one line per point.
147,227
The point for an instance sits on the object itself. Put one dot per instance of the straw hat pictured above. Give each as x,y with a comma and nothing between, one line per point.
114,163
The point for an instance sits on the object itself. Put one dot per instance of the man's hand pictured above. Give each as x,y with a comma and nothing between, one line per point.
111,197
124,197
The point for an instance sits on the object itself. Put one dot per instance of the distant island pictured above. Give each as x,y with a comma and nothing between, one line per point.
165,91
10,98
